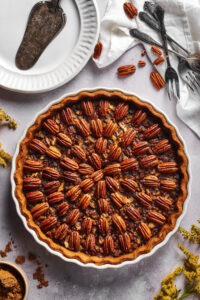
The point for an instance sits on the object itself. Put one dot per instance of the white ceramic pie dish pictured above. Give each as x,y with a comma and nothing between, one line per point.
33,233
63,58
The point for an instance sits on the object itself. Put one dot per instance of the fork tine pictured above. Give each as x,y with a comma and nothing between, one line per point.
177,88
168,90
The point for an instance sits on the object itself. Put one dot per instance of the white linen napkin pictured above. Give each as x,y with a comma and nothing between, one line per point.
182,22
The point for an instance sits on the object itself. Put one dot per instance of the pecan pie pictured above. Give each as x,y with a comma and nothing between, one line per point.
101,177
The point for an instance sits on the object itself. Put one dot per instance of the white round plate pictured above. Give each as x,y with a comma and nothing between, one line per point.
63,58
45,245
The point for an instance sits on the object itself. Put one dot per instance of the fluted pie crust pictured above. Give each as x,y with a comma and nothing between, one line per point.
181,160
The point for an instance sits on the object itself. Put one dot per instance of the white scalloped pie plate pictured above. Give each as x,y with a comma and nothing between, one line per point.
64,57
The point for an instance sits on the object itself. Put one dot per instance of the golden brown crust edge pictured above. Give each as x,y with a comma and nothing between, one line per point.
82,257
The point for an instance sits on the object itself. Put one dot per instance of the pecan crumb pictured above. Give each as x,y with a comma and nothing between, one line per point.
39,275
20,259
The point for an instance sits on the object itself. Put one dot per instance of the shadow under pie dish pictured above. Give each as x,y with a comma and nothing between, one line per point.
101,177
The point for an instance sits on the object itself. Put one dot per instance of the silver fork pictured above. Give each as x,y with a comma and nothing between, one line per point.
171,76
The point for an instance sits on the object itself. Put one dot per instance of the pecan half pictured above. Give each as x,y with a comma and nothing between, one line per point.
118,199
103,107
50,173
62,209
86,225
85,169
149,161
97,50
83,126
69,164
64,140
156,50
101,145
144,199
129,163
48,223
144,230
125,242
55,197
70,176
51,126
158,60
103,206
163,202
31,183
110,128
156,217
151,180
139,117
152,131
97,127
129,184
126,70
141,148
87,107
73,216
35,196
53,152
90,243
51,186
121,110
84,202
112,169
74,241
141,63
101,189
130,10
61,232
128,137
78,152
73,193
157,80
103,225
168,184
112,184
133,213
33,165
168,167
162,146
38,146
39,209
108,245
143,53
98,175
95,160
87,184
115,152
68,116
119,222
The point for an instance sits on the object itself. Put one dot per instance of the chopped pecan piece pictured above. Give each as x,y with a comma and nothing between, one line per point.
70,176
73,193
69,164
112,184
125,242
141,148
144,230
130,10
98,175
102,206
129,184
97,127
31,183
110,128
168,184
53,152
33,165
121,110
55,197
64,140
78,152
39,209
158,60
95,160
103,107
108,245
151,180
118,199
62,209
38,146
83,126
84,202
51,126
35,196
156,217
119,222
138,118
73,216
101,189
162,146
85,169
152,131
144,199
128,137
156,50
68,116
133,213
141,63
87,184
50,173
88,108
74,241
86,225
149,161
163,202
168,167
129,163
90,243
51,187
103,225
61,232
112,169
97,50
115,152
48,223
101,145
